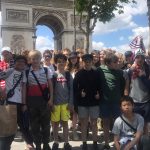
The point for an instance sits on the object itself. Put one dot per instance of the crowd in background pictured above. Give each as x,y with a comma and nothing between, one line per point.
57,86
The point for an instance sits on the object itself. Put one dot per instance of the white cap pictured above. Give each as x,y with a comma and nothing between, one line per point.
6,48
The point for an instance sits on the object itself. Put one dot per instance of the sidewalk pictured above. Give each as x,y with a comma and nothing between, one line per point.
75,144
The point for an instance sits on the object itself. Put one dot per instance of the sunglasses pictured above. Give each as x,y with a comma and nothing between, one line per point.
47,56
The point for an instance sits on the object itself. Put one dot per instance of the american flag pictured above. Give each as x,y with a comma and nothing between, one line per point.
137,43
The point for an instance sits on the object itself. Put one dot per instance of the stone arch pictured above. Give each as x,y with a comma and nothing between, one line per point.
55,20
59,15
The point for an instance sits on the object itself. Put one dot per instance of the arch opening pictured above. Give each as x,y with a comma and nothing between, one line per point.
56,26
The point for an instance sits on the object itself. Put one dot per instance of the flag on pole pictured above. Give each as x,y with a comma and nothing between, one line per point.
137,43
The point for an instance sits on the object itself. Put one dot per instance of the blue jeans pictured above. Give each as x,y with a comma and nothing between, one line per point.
5,142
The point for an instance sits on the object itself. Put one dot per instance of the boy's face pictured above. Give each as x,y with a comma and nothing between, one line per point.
113,65
20,64
139,60
126,107
95,58
87,64
35,60
61,63
129,59
74,60
7,56
47,57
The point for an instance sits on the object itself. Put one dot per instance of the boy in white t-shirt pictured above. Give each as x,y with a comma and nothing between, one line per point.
15,79
16,82
128,128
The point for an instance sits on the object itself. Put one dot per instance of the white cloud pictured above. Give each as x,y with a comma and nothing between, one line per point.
119,48
97,45
43,43
124,20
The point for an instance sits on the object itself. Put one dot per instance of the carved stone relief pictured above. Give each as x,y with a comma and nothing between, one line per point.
80,43
13,15
17,44
39,12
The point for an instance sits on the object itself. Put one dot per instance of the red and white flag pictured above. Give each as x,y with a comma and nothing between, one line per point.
137,43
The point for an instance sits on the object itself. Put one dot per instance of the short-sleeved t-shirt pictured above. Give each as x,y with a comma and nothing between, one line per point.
51,69
11,77
123,130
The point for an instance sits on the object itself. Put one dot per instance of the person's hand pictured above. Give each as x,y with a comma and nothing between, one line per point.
50,103
3,96
70,108
127,147
24,108
83,94
97,96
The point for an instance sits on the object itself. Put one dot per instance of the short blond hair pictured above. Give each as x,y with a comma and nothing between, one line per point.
35,53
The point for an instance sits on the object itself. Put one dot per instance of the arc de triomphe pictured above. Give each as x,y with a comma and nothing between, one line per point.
20,18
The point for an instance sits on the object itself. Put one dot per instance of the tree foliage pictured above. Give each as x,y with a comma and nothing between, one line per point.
97,10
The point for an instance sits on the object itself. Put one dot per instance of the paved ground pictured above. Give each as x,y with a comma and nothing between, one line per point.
75,144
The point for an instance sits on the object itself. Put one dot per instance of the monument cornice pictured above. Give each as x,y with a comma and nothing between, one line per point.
66,4
17,28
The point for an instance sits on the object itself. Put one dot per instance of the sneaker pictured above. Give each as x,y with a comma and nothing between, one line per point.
55,146
75,135
106,147
84,146
38,148
67,146
46,147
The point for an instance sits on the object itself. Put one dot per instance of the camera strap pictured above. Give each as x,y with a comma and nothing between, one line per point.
17,82
128,124
37,81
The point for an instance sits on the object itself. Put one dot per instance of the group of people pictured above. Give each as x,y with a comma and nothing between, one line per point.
38,90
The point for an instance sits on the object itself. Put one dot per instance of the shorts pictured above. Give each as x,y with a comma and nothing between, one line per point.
143,109
110,110
86,112
60,113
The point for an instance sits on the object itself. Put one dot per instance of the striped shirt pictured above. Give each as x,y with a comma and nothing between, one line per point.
33,87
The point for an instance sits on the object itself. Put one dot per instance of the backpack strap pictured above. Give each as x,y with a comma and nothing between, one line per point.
46,72
27,75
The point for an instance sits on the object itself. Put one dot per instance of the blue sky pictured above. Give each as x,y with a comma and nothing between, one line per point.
116,34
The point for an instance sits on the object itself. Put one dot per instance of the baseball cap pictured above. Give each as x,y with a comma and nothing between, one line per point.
87,57
6,48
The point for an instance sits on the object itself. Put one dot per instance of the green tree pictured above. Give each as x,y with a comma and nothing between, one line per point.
90,11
